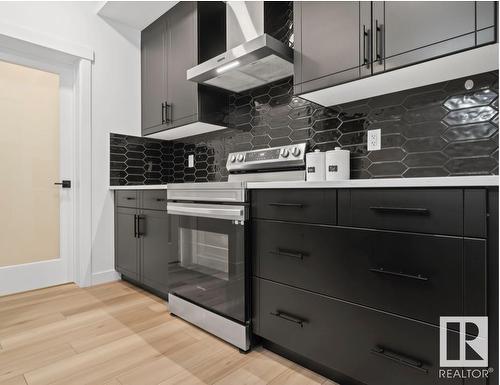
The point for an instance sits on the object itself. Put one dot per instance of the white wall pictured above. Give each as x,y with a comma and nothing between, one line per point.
115,95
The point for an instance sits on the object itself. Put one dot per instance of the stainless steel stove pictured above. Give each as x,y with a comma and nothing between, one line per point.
209,281
269,164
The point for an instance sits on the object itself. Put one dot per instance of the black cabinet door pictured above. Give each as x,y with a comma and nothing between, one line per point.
434,211
127,198
485,14
414,31
372,347
417,276
310,206
126,242
153,228
153,76
182,94
327,43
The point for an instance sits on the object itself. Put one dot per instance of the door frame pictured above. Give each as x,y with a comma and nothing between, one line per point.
25,47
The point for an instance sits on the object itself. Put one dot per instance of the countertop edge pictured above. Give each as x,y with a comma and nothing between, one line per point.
140,187
448,181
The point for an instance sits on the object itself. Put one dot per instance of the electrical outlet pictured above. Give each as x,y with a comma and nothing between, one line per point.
373,140
191,160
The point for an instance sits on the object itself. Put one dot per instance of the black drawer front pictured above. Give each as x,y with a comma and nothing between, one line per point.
302,205
373,347
154,199
435,211
418,276
126,198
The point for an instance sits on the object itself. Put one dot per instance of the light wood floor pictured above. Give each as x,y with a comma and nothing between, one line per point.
116,334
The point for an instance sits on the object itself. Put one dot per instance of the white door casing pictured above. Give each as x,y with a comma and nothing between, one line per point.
73,64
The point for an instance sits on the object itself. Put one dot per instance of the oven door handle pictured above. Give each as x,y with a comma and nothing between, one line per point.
229,212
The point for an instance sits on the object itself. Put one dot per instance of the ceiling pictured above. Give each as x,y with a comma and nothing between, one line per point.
135,14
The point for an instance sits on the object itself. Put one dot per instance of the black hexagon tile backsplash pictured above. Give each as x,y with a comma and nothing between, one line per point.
436,130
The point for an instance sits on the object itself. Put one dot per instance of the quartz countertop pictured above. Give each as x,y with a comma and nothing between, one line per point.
448,181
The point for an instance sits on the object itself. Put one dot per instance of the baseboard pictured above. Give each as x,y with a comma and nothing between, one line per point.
105,276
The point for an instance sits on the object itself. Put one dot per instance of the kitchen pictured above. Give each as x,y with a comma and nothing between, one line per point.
306,192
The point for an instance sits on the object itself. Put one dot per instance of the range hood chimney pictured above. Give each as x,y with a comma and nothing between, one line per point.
253,57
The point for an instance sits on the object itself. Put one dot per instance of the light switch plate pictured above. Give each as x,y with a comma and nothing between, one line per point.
374,140
191,160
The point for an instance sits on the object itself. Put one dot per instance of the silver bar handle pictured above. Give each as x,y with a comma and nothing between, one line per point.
229,212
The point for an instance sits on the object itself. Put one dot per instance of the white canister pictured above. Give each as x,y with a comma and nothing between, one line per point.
337,164
315,166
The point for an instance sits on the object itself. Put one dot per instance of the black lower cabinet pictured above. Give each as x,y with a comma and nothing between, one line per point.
415,275
371,347
144,243
126,242
359,297
154,230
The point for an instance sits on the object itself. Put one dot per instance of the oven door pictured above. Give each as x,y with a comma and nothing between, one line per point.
210,268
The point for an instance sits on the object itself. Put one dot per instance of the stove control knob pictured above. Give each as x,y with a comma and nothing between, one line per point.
232,158
285,153
295,151
240,157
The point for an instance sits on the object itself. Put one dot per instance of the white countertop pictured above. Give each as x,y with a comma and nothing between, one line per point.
448,181
140,187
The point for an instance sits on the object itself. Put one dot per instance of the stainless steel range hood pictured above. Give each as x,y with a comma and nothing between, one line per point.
253,58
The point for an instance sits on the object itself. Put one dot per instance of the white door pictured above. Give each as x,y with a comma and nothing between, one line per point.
36,151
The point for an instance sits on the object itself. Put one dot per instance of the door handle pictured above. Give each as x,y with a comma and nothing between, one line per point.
289,318
135,225
289,253
278,204
381,270
399,359
366,46
64,184
140,233
400,210
163,108
168,112
379,42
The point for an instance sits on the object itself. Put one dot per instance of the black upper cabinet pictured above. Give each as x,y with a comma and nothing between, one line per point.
154,75
181,105
169,47
486,19
414,31
337,42
327,41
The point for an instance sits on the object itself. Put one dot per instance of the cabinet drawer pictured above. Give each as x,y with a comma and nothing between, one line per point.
314,206
436,211
418,276
126,198
154,199
373,347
